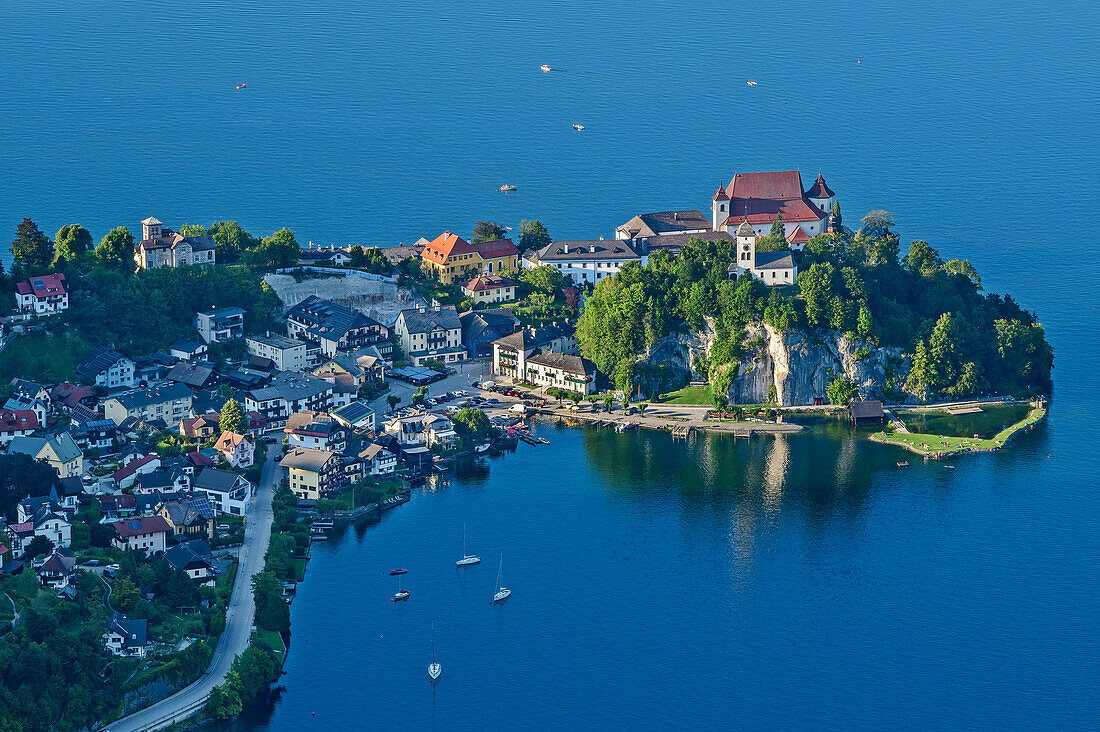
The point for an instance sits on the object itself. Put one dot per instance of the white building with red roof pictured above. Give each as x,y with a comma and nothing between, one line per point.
16,423
772,268
757,198
148,534
43,295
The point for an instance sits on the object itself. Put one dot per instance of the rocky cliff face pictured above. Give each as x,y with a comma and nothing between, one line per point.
798,365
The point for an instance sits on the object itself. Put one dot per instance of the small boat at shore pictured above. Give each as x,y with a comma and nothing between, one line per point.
626,426
903,464
545,68
398,571
508,187
578,127
482,447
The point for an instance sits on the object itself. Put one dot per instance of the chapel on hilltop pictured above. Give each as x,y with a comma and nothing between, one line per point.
756,199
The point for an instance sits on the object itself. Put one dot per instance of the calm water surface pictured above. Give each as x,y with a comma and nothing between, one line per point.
779,583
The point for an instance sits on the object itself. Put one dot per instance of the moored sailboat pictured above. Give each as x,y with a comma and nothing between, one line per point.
503,593
467,559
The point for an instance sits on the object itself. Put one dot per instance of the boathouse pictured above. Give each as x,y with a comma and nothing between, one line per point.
866,413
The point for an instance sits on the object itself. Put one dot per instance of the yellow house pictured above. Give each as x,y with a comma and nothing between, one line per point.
312,473
62,453
451,258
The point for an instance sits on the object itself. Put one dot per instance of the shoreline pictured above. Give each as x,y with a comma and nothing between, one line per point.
949,446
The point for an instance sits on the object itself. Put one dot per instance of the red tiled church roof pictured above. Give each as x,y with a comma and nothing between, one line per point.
819,189
759,197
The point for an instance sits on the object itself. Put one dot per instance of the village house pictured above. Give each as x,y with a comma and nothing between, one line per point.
492,289
357,416
15,424
144,533
757,198
169,402
202,427
162,247
335,327
286,354
165,479
353,369
186,349
46,522
511,351
481,327
430,333
313,474
194,559
134,466
450,258
289,393
562,371
227,492
771,268
219,325
22,402
32,390
69,396
58,568
586,262
194,376
425,429
96,434
317,430
61,452
375,459
43,295
127,636
191,518
118,505
236,449
108,368
28,507
664,223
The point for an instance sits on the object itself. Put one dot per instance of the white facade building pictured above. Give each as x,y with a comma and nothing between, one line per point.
586,262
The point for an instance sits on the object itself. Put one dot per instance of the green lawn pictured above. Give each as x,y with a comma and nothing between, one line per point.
946,443
688,395
269,638
44,358
299,568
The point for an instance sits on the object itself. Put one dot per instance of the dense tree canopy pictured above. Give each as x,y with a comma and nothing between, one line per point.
71,242
31,249
532,235
488,231
232,418
116,249
961,341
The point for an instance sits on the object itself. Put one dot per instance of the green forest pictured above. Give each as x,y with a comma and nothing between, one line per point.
962,340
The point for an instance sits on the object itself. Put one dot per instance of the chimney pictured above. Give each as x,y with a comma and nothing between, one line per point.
592,248
601,237
675,215
565,249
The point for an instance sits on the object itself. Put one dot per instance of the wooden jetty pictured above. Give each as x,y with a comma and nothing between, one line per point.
682,432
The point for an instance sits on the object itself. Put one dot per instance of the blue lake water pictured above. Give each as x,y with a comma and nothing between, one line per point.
793,583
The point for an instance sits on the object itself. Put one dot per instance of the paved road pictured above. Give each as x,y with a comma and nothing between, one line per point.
238,617
465,372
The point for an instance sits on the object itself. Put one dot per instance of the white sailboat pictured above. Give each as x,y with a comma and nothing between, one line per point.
503,593
434,669
467,559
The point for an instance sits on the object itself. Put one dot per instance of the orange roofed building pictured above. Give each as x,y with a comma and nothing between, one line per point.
451,258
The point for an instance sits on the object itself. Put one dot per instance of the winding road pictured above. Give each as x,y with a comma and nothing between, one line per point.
238,617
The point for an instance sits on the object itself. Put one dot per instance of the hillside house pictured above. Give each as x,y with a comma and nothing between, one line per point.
162,247
43,295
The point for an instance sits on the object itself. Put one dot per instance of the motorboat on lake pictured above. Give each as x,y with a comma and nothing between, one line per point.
508,187
398,571
241,86
545,68
578,127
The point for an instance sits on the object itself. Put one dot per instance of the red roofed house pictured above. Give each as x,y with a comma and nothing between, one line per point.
236,449
73,395
147,533
125,476
450,257
490,289
42,295
757,198
16,423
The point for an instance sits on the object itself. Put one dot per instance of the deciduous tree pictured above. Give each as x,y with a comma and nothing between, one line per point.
533,235
488,231
116,249
233,418
72,241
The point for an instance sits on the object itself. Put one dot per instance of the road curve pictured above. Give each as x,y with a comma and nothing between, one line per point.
238,617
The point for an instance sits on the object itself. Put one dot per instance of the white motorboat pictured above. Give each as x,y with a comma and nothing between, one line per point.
482,447
508,187
467,559
545,68
503,593
578,127
434,669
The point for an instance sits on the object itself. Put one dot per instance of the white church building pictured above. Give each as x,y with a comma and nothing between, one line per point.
757,198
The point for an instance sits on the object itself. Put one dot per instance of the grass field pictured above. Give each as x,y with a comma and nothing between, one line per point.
930,444
688,395
45,358
269,638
